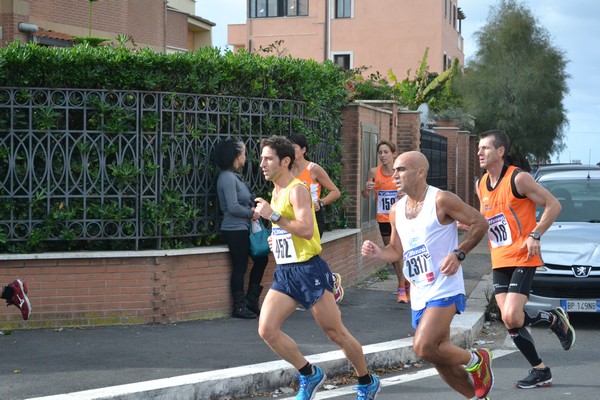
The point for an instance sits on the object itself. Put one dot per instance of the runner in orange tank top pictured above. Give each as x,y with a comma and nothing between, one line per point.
315,178
380,180
508,198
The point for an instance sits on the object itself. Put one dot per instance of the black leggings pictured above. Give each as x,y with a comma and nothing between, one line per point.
320,215
239,251
513,280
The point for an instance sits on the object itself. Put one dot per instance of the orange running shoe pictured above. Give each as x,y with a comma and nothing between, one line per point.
403,296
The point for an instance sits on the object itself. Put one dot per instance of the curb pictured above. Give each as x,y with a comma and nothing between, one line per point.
239,381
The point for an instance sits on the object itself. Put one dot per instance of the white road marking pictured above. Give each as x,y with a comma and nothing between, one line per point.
393,380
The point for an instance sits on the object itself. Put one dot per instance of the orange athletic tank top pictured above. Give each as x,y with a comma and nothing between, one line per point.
313,186
511,219
386,194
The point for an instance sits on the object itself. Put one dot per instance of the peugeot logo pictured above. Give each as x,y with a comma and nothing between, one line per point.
581,271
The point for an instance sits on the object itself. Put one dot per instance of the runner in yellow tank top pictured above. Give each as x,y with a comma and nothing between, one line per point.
301,276
288,248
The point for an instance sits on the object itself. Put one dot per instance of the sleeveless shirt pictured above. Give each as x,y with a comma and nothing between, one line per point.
426,243
312,185
511,219
288,248
386,194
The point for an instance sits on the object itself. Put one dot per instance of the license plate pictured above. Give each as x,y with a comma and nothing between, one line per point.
581,305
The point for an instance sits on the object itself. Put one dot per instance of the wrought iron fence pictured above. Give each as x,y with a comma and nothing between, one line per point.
101,169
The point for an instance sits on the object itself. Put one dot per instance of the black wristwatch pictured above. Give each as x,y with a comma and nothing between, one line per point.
461,255
535,235
275,216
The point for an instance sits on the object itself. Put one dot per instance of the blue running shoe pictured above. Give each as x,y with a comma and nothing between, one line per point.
309,384
368,392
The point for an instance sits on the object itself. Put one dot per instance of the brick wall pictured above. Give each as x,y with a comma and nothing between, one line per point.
351,161
398,126
463,164
110,15
10,27
177,37
142,20
409,131
146,22
473,169
148,287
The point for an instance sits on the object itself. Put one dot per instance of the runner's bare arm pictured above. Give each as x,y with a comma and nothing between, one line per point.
303,223
321,176
451,208
392,252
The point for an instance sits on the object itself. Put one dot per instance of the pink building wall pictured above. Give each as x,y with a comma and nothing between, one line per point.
148,22
381,35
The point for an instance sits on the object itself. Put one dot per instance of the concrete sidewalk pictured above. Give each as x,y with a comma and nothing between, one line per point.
221,358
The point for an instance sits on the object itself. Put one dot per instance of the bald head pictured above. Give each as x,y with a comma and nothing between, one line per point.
414,160
410,173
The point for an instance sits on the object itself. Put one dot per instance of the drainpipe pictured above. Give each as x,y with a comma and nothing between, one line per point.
29,29
327,32
165,29
249,20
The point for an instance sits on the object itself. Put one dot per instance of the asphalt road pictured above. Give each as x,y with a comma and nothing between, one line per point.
575,372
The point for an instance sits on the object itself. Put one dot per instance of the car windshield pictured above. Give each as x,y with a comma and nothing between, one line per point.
579,198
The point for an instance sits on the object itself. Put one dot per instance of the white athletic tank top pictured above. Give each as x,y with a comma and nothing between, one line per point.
426,243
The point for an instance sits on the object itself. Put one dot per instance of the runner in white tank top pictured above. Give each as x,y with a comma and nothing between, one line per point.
426,243
424,235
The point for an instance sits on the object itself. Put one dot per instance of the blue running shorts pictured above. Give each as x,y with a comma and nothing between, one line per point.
304,282
459,300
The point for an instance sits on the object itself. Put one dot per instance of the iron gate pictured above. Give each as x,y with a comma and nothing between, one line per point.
435,148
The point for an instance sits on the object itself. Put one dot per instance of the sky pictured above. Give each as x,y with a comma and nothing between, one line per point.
573,25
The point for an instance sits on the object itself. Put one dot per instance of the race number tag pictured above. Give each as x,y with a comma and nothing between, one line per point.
283,246
385,200
499,231
417,266
314,188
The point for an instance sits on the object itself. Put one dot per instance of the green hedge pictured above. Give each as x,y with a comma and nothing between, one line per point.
206,71
321,86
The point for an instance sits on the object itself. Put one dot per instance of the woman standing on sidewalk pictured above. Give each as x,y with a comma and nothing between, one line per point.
381,181
237,204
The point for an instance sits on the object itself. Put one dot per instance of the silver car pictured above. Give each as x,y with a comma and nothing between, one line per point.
570,276
551,168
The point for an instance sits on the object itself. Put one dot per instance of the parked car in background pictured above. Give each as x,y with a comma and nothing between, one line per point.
541,170
570,276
